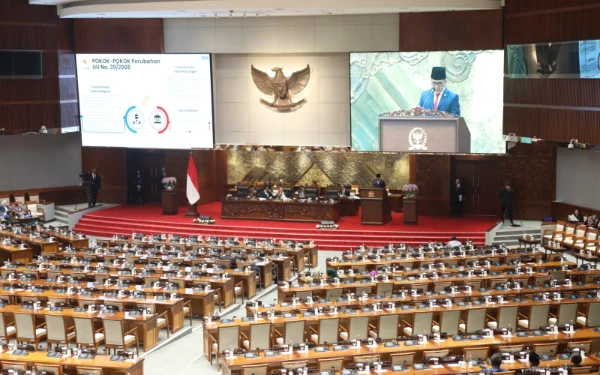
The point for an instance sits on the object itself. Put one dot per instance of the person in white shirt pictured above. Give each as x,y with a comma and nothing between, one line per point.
454,242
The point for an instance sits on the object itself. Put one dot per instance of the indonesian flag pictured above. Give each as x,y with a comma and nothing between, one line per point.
193,189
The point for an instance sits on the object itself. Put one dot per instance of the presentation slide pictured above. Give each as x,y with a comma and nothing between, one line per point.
145,101
427,101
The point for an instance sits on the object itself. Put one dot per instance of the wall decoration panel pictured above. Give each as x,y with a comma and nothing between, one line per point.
111,164
348,168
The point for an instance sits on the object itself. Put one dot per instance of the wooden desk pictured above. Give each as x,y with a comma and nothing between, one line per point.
349,206
39,246
146,326
234,365
129,367
71,240
284,268
279,210
249,282
15,254
528,241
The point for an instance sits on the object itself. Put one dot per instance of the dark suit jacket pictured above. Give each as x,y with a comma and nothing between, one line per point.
265,194
380,184
345,192
456,191
95,183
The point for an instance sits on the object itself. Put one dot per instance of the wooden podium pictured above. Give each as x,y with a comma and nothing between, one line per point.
169,202
426,134
375,207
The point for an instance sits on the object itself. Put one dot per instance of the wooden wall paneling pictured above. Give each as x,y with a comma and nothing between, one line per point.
557,21
20,12
126,35
561,210
527,6
531,170
221,173
448,31
433,179
566,92
29,116
553,124
176,162
111,164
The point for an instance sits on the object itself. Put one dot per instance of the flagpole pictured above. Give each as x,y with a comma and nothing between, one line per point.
192,209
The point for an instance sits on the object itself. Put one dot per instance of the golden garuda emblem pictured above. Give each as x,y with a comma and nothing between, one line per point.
281,87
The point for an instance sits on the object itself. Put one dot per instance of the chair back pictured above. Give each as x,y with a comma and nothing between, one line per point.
580,230
48,369
334,294
328,330
293,365
2,326
367,359
25,326
304,294
113,331
586,346
16,366
538,316
363,289
422,323
507,316
384,289
358,327
592,234
475,320
476,353
510,348
260,336
84,330
330,364
229,337
548,349
567,313
449,322
55,324
593,315
558,275
254,370
388,326
402,359
89,371
294,332
436,353
581,370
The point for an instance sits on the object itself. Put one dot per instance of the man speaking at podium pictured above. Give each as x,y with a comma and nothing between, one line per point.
439,98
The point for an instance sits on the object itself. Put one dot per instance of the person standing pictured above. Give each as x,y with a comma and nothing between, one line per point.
139,189
457,195
506,198
439,97
95,186
378,182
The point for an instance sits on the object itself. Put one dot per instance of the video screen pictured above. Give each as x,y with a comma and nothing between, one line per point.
449,102
145,101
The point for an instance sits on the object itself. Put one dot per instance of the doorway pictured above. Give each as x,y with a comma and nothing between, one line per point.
149,163
480,181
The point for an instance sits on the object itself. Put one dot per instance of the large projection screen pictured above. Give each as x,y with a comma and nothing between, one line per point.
449,101
146,101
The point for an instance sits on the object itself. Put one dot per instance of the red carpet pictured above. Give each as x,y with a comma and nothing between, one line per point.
149,219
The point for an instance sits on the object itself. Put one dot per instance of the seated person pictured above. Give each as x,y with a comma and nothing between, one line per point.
534,360
266,193
300,192
575,217
496,362
331,274
454,242
278,192
344,190
576,360
592,221
5,210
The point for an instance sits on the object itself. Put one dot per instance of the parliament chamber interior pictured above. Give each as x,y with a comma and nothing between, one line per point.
298,188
